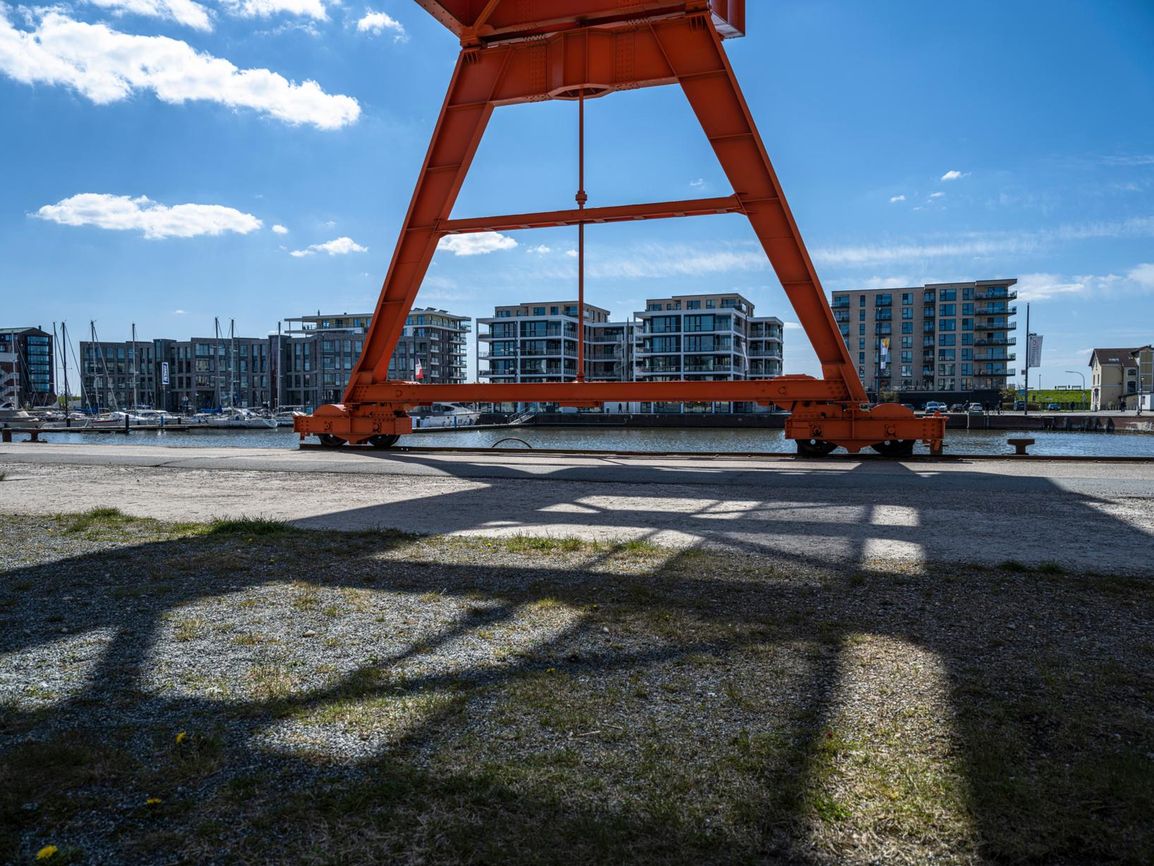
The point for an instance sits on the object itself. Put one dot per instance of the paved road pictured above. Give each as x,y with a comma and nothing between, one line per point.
1097,516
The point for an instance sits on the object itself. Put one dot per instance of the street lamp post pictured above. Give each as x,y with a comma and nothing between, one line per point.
1137,356
1083,375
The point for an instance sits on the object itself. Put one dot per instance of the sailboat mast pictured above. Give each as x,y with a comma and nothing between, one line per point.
232,363
216,359
64,364
135,371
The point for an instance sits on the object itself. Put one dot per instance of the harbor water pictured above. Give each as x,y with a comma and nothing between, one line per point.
618,439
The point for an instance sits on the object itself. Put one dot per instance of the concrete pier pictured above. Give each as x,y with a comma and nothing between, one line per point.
1091,516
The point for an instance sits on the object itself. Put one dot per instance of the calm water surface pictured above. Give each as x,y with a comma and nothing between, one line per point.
957,442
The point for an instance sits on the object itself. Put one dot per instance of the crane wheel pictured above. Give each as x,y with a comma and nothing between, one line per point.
814,448
383,441
331,441
895,448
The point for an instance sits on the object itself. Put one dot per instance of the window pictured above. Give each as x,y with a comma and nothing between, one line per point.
907,312
861,357
949,309
693,305
949,324
553,311
861,330
907,342
861,315
665,324
967,324
538,311
949,295
907,299
948,339
907,327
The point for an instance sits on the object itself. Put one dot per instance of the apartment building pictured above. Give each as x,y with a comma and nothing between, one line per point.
712,337
947,338
537,342
27,367
203,374
317,354
1121,375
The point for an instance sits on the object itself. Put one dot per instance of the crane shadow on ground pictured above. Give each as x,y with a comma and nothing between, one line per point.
264,694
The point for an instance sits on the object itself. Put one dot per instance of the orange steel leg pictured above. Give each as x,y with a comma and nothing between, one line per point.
589,48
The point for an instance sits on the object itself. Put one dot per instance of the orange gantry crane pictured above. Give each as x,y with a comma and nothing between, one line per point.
515,51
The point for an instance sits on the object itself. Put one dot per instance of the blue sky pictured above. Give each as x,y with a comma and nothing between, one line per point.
168,161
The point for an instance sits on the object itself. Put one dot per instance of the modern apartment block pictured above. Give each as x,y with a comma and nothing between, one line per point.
537,342
706,337
317,353
27,367
941,337
204,373
1122,375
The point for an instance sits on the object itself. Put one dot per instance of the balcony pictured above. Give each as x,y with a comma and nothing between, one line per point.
997,341
995,295
996,310
839,303
1004,357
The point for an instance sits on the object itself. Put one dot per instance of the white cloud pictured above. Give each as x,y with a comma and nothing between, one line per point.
954,174
1041,287
377,23
894,199
314,9
478,244
791,326
123,213
936,194
1143,276
186,12
571,253
279,229
341,246
540,249
107,66
698,183
178,313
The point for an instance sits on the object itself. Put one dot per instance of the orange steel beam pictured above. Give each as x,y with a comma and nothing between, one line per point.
613,214
585,49
478,22
783,390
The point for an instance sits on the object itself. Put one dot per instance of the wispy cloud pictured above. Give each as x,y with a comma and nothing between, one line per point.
1041,287
152,219
479,244
1130,160
979,244
314,9
341,246
186,12
894,199
954,174
105,66
279,229
935,195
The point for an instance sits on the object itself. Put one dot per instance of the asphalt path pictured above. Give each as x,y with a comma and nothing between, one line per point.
1094,516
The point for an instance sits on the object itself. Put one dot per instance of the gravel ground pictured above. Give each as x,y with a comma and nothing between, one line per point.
250,693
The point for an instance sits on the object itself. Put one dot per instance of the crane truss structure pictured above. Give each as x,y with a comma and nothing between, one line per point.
518,51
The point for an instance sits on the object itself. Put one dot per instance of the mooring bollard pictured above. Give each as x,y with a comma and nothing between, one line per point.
1020,446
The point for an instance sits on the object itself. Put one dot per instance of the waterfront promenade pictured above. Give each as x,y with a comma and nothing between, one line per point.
1093,516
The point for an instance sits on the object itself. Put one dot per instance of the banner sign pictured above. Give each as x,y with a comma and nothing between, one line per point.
1034,350
164,372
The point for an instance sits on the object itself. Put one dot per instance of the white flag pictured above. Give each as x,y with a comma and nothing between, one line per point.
1034,350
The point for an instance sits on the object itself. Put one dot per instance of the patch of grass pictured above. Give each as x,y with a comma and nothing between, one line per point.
98,518
188,629
545,544
250,526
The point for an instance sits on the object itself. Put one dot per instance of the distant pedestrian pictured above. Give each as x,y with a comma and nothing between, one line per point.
1122,405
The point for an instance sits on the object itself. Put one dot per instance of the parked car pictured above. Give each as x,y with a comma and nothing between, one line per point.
1019,405
976,409
935,406
1053,407
958,407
